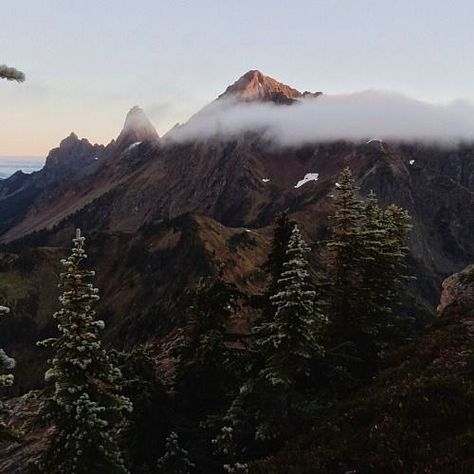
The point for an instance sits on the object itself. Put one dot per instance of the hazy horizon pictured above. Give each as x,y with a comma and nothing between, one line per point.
87,64
28,164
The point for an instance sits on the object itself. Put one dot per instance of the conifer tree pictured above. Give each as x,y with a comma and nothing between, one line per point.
367,250
383,271
374,286
11,74
274,263
397,225
294,335
203,374
286,345
85,406
225,447
346,246
150,422
6,380
277,256
176,459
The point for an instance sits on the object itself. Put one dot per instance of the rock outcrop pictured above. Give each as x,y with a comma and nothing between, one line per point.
71,159
23,194
458,290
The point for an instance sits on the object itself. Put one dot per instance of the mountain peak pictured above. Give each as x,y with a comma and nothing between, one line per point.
73,152
70,139
136,119
255,86
137,127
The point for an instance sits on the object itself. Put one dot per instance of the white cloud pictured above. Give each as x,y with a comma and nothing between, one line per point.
358,116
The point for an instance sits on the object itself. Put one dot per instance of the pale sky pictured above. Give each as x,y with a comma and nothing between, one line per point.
88,61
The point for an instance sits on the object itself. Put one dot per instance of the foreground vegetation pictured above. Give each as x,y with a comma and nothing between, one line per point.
313,382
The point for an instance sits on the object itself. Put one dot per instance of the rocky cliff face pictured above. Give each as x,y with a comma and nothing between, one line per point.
71,159
22,194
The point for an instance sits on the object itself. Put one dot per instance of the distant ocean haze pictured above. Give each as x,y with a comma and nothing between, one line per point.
27,164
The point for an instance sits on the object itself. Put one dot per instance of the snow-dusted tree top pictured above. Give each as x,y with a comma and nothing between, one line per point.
176,459
287,341
6,380
11,74
6,362
297,323
86,405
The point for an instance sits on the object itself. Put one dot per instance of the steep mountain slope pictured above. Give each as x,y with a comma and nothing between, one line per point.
246,182
143,278
75,174
21,194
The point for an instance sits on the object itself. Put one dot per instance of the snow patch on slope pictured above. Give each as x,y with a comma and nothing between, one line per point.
307,177
132,146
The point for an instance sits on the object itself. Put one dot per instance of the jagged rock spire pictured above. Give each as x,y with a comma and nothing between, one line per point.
136,128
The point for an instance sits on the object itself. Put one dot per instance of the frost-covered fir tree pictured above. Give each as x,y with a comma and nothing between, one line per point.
274,264
84,405
11,74
383,269
397,226
367,250
6,362
385,252
288,342
176,459
6,380
346,248
225,447
294,336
